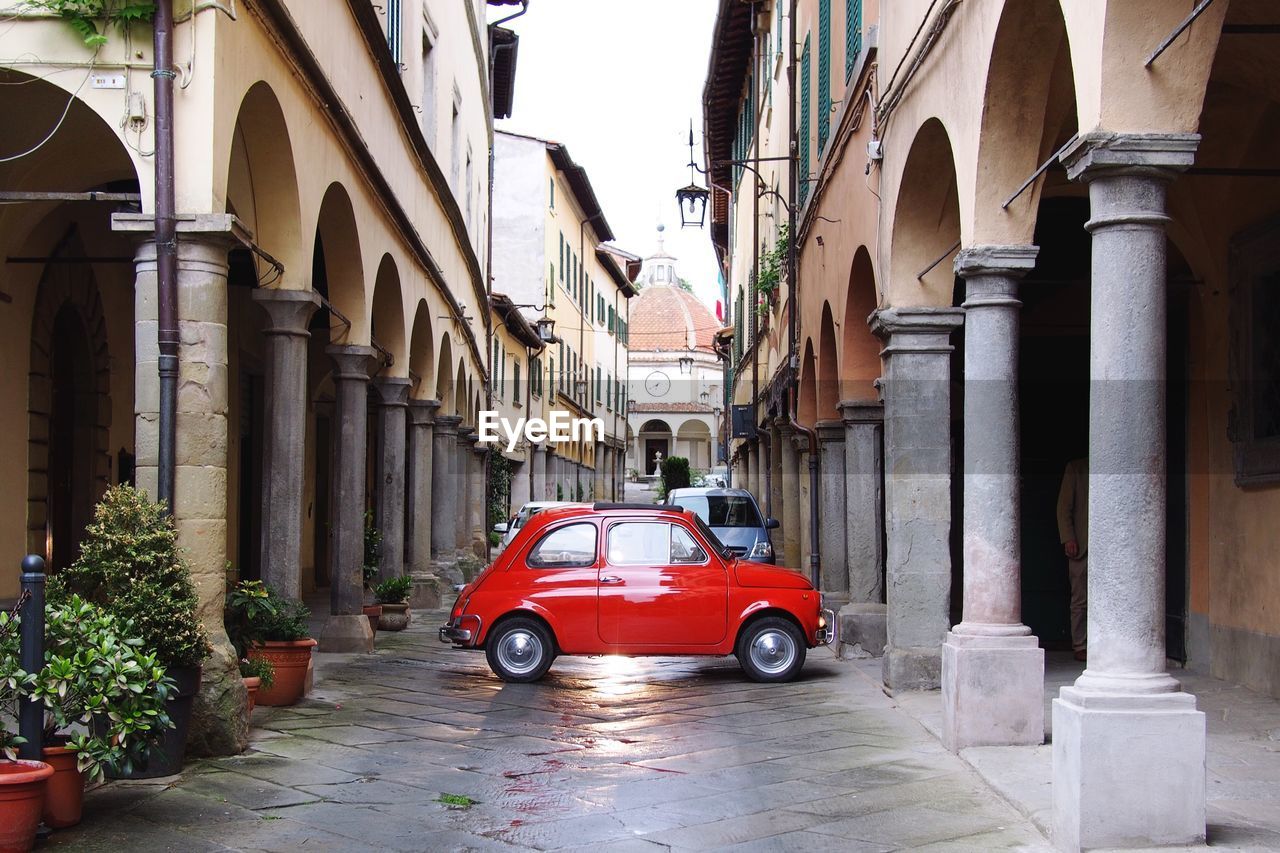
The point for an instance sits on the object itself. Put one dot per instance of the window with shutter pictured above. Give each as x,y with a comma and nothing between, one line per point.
515,382
852,36
803,134
824,74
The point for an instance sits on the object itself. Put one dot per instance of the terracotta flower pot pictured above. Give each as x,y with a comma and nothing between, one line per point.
22,787
373,612
251,683
290,659
395,617
64,793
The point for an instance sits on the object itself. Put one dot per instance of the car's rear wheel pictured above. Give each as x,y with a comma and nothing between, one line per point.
771,649
520,650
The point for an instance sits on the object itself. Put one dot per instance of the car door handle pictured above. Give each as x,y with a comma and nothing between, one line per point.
610,579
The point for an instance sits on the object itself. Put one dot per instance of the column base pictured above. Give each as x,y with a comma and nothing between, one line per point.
912,669
864,629
992,691
1128,770
342,633
425,594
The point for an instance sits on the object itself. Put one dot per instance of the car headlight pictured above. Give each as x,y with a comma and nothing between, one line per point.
761,550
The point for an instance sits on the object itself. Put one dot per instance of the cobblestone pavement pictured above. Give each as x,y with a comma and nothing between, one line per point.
419,747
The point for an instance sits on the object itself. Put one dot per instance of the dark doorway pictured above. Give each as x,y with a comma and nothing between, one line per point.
72,424
320,540
652,447
251,483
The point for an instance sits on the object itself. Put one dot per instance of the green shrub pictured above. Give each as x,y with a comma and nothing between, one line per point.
675,474
130,565
394,590
15,684
372,548
256,613
261,669
495,539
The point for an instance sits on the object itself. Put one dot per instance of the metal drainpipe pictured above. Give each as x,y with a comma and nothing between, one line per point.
167,335
753,308
793,359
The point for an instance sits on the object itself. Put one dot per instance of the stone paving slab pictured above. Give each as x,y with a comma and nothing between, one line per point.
419,747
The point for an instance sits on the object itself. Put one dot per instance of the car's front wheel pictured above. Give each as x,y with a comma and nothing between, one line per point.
771,649
520,650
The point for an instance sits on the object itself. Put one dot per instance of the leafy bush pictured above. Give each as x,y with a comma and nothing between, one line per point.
130,565
394,590
259,668
97,676
82,15
495,539
675,474
15,684
372,548
499,488
256,613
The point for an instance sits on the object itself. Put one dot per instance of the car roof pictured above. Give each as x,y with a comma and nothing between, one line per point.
550,516
543,504
699,491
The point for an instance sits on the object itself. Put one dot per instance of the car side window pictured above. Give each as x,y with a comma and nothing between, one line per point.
684,548
638,543
571,546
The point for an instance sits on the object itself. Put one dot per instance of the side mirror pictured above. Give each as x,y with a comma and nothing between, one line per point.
500,527
771,524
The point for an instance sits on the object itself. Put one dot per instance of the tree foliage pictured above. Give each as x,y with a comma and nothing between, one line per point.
92,18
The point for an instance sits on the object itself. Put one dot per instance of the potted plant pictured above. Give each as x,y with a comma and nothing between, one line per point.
257,674
22,783
393,594
265,626
372,559
130,565
105,700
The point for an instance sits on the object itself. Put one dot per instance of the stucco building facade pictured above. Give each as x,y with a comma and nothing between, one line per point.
1026,233
331,182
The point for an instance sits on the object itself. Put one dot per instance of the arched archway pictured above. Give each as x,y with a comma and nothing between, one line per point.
387,324
808,402
693,441
68,406
926,225
422,368
828,391
654,438
860,350
337,270
444,377
461,405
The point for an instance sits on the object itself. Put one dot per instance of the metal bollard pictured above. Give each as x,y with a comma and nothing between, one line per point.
31,712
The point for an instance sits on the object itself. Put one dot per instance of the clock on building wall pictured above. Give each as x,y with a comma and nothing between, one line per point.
657,384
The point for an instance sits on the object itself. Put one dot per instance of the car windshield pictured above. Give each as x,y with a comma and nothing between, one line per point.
712,540
722,510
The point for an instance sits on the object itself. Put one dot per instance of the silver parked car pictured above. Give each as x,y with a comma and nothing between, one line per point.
734,516
528,511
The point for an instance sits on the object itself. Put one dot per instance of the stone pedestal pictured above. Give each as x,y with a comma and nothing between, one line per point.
346,629
787,495
863,524
992,668
832,515
284,442
461,517
1128,745
917,438
863,629
425,594
445,488
538,474
393,404
477,501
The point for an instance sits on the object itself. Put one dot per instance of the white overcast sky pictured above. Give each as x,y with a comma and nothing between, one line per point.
617,83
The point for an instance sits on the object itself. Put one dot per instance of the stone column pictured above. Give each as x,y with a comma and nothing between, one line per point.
538,476
218,725
347,629
917,464
992,667
787,494
831,500
461,466
478,500
602,461
521,480
1128,744
445,488
393,404
426,590
284,444
804,504
862,620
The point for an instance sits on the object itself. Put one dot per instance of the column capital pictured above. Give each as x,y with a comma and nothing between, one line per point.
447,424
466,435
916,329
1005,261
861,411
423,412
290,310
830,431
1158,155
354,361
784,428
393,391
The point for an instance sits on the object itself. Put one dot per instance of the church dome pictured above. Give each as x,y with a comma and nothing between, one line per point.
666,317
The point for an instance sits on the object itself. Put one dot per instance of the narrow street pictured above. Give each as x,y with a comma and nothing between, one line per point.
604,754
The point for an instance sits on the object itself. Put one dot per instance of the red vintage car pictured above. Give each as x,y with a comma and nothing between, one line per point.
633,579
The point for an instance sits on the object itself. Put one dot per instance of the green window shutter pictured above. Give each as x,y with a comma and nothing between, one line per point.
562,257
515,382
552,183
852,36
778,26
803,189
612,319
824,74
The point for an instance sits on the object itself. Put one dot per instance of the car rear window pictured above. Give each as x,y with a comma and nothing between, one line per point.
722,510
571,546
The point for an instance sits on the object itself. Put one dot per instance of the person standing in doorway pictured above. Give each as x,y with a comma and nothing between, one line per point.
1073,531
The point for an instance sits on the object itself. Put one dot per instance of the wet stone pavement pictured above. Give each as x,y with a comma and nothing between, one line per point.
419,747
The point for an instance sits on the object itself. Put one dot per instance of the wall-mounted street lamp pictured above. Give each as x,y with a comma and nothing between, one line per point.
686,364
704,398
546,329
693,198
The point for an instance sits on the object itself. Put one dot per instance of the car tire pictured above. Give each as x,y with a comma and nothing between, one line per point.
520,650
771,650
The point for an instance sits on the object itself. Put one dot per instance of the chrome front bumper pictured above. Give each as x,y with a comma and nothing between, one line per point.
828,634
453,632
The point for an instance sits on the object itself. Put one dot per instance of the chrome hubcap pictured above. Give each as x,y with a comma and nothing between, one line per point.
520,651
773,651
